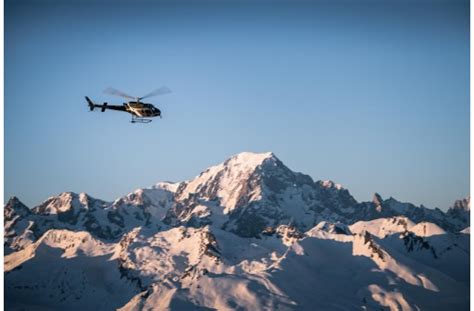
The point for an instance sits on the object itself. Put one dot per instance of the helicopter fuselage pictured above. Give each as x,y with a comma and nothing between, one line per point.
142,110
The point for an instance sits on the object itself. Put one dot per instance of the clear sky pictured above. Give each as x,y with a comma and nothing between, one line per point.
371,94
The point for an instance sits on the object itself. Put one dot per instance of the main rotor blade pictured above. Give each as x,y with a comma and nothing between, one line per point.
112,91
162,90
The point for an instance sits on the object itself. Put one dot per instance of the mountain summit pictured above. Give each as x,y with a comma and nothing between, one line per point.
250,191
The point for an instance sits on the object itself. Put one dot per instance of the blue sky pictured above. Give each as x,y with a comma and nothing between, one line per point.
371,94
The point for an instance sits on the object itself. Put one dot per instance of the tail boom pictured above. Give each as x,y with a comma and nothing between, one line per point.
105,106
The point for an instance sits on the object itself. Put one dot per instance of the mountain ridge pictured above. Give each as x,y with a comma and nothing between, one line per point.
246,188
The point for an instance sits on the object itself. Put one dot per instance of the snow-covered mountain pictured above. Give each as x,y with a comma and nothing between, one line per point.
460,212
247,234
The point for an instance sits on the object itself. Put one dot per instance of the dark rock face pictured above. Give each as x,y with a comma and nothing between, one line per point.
252,221
414,243
209,246
460,213
374,247
15,208
16,216
14,211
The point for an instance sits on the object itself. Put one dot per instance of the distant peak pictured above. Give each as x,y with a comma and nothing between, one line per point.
167,185
252,157
65,195
228,180
84,198
15,204
331,184
377,199
69,197
250,161
463,204
13,200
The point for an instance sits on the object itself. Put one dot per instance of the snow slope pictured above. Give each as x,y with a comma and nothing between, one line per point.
383,226
246,234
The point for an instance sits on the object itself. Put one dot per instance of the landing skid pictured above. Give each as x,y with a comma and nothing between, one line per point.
140,120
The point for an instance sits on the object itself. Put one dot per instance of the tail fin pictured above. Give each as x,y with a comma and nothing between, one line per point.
90,103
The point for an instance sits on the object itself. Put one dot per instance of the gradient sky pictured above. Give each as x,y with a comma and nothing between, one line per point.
371,94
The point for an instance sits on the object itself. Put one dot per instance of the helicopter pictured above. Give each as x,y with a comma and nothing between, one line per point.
140,111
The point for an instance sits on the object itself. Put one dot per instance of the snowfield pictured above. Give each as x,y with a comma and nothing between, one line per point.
247,234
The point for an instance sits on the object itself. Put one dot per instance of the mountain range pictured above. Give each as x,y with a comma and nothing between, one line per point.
246,234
